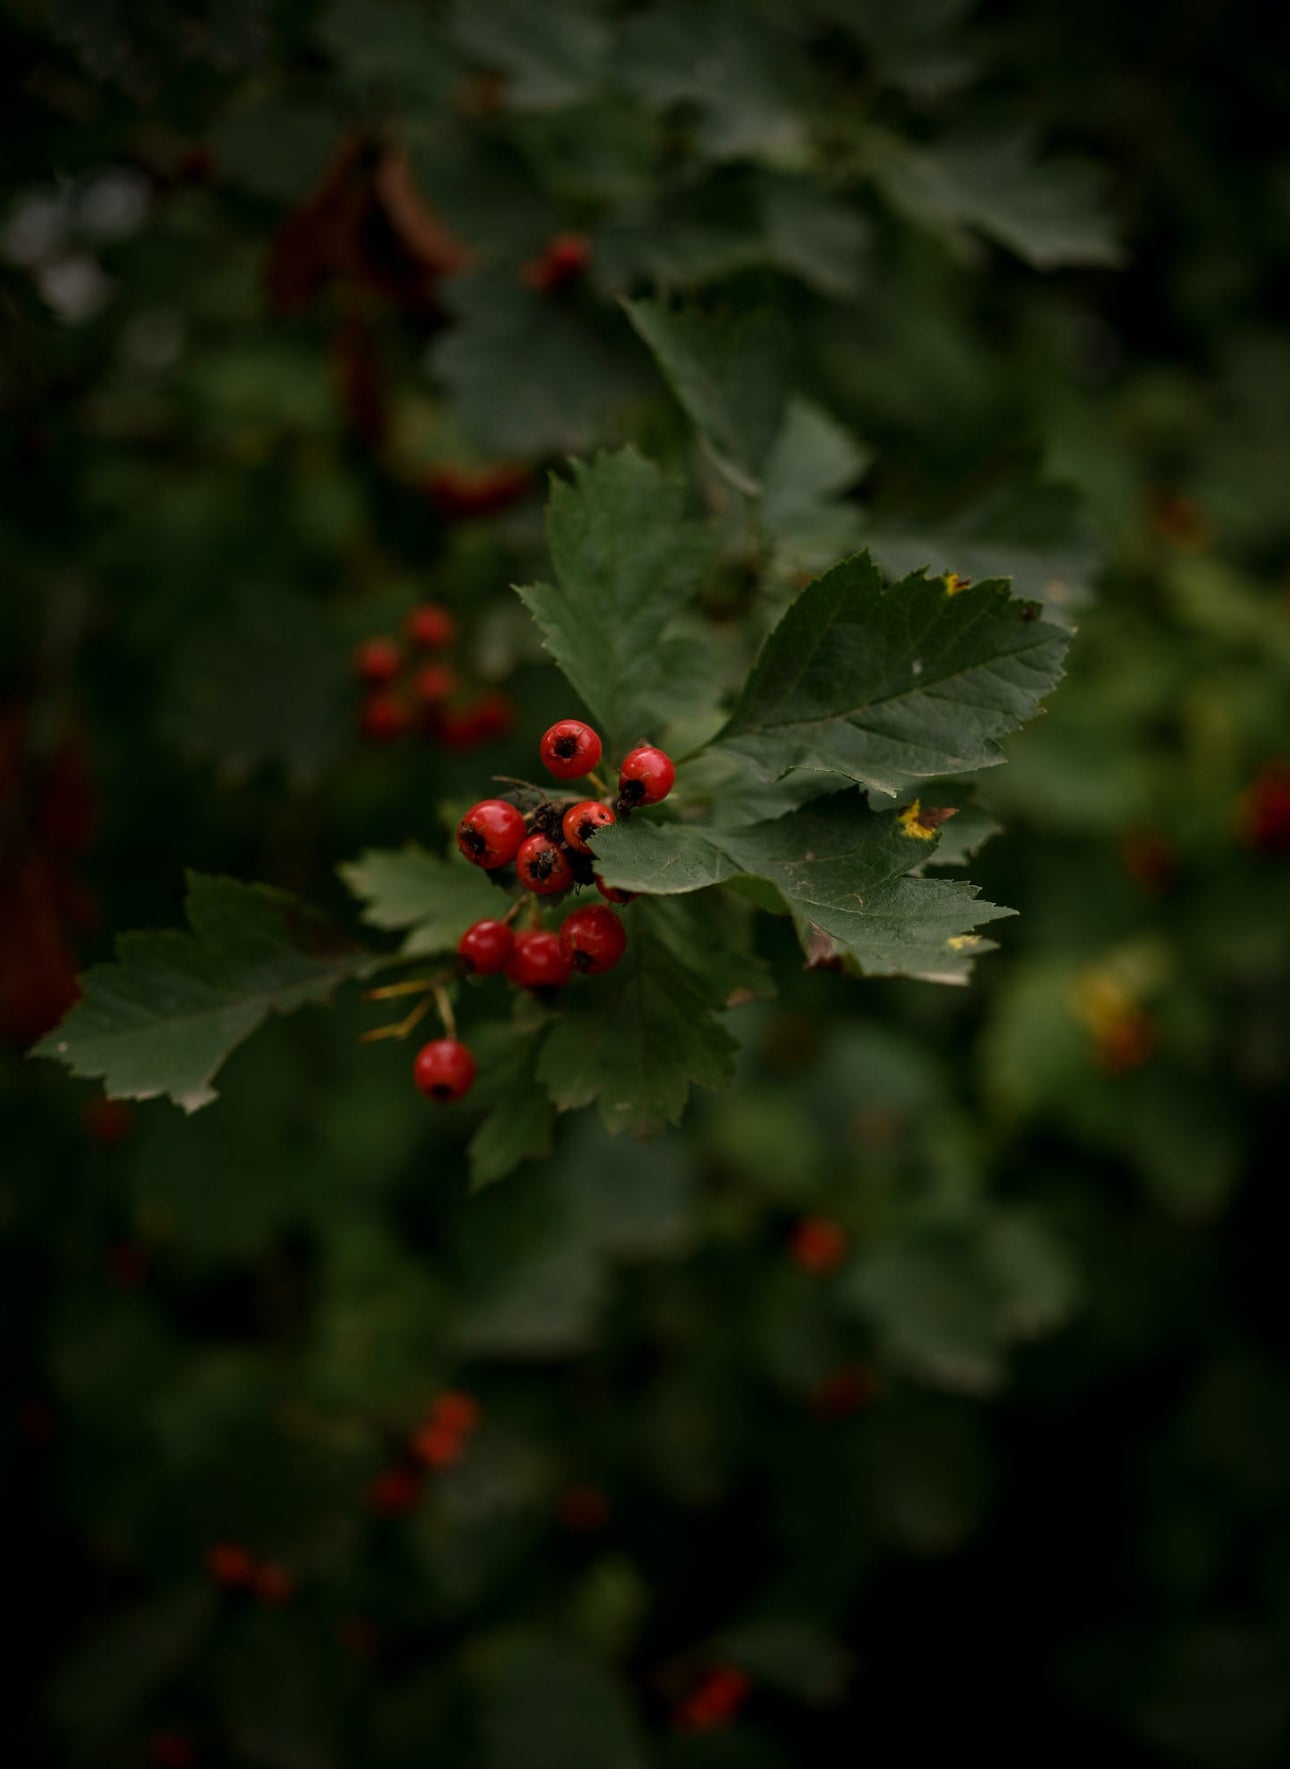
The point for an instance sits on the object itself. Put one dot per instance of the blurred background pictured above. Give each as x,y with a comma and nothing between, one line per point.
930,1386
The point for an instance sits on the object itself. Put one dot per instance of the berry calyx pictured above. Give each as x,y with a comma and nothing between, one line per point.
593,940
444,1070
541,867
384,718
490,833
582,820
612,894
646,776
486,947
430,627
377,662
538,962
569,749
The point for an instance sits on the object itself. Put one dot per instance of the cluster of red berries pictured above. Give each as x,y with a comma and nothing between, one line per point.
547,852
409,688
439,1442
237,1569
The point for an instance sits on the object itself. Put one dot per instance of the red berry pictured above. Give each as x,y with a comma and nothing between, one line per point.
612,894
273,1583
563,261
377,662
430,627
434,684
171,1750
716,1700
593,940
444,1069
490,833
818,1244
582,820
541,867
460,493
394,1491
646,776
538,961
455,1411
107,1121
486,946
570,749
231,1565
493,714
384,718
438,1446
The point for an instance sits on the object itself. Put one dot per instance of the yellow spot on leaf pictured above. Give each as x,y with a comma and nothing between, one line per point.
923,824
963,942
954,583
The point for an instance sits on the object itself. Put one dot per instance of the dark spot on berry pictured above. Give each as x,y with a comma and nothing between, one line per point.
546,819
472,839
565,747
581,961
581,867
442,1091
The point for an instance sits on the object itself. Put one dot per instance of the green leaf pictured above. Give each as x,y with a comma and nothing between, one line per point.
891,684
815,236
518,1122
635,1041
546,1708
174,1006
729,376
551,56
433,899
1048,213
813,462
627,562
128,1661
842,871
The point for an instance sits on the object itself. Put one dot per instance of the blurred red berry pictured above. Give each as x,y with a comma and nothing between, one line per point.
444,1070
461,493
273,1584
715,1701
818,1244
430,627
1263,811
563,261
438,1446
612,894
394,1491
434,684
171,1750
844,1392
384,718
107,1122
377,662
455,1410
231,1565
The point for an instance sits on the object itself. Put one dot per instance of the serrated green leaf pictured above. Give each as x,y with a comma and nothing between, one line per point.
1046,212
627,561
551,56
633,1042
891,684
517,1126
728,374
174,1006
434,899
841,869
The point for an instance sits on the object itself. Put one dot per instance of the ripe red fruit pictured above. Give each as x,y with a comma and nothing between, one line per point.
593,940
455,1411
612,894
1263,810
716,1700
272,1583
538,961
377,662
171,1750
818,1244
569,749
107,1121
231,1565
459,493
384,718
431,627
490,833
646,776
541,867
582,820
563,261
434,684
438,1446
394,1492
444,1069
486,946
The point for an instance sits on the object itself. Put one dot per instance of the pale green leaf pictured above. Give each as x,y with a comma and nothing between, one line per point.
433,899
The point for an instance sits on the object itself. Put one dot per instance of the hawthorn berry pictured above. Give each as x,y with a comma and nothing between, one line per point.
715,1702
582,820
384,718
593,940
490,833
455,1411
612,894
541,867
434,684
646,776
460,492
377,662
444,1069
563,261
394,1491
818,1244
570,749
231,1565
431,627
273,1583
486,947
538,962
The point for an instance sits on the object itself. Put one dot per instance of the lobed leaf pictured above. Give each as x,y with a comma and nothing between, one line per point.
174,1006
891,684
434,899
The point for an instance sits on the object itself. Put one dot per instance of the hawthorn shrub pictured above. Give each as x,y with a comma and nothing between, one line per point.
533,532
